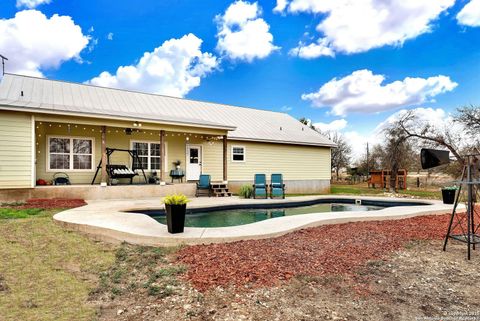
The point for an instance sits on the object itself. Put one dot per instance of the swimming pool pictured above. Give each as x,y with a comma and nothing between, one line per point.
234,217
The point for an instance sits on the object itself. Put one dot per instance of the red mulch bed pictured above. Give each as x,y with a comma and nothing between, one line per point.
45,203
329,249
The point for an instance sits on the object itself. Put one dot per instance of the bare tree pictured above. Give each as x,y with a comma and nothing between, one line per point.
409,126
396,151
469,116
341,154
307,122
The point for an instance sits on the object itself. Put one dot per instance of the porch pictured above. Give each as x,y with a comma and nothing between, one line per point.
82,149
98,192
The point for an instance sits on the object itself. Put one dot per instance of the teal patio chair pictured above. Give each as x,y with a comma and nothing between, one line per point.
260,186
277,187
204,186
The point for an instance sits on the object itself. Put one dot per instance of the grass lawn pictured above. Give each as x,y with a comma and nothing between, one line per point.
364,190
47,273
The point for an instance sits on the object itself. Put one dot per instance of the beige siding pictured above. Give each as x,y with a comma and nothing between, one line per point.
213,159
116,138
293,161
16,148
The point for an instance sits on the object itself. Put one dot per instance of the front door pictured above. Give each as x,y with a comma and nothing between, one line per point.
194,162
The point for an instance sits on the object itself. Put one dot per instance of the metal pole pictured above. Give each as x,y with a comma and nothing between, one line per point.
457,198
469,206
368,161
3,63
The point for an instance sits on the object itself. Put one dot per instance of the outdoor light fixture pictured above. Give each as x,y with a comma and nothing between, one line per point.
137,124
433,157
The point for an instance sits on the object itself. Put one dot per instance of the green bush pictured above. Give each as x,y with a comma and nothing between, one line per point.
175,199
246,191
450,188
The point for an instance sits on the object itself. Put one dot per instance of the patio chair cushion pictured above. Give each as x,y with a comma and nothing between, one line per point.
277,191
260,179
204,181
260,191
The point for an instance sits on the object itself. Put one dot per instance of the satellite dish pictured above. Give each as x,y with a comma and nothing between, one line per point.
434,157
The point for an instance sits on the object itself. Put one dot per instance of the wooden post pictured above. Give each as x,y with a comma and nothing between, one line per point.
162,156
225,178
104,156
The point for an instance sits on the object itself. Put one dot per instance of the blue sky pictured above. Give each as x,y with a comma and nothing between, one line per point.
262,69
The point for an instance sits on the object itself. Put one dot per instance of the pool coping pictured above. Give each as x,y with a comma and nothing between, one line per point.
107,220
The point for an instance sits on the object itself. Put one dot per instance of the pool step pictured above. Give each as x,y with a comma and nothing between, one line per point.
220,190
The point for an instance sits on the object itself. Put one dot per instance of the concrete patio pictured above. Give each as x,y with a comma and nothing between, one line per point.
107,220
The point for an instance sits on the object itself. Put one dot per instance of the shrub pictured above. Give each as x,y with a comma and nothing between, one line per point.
246,191
175,199
450,188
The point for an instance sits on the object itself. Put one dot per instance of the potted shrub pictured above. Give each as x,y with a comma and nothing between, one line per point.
175,209
448,194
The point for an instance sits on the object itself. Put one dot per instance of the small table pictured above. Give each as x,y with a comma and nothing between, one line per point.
177,174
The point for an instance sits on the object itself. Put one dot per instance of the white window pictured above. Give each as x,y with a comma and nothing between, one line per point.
148,154
238,154
70,153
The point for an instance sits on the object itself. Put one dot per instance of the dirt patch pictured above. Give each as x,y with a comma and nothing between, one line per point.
415,282
3,284
332,249
43,203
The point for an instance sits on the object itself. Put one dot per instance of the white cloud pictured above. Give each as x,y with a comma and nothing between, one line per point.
31,3
286,109
434,117
470,14
364,92
313,50
336,125
437,118
281,5
242,34
32,42
110,36
358,143
358,26
174,68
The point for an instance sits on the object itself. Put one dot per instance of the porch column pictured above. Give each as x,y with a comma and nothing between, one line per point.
225,178
162,156
104,156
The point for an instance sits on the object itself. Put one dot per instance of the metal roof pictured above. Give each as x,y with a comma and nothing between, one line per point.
27,93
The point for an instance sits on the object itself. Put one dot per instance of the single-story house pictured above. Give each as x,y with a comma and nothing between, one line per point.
49,126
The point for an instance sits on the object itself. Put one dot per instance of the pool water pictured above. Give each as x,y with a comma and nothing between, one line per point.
233,217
